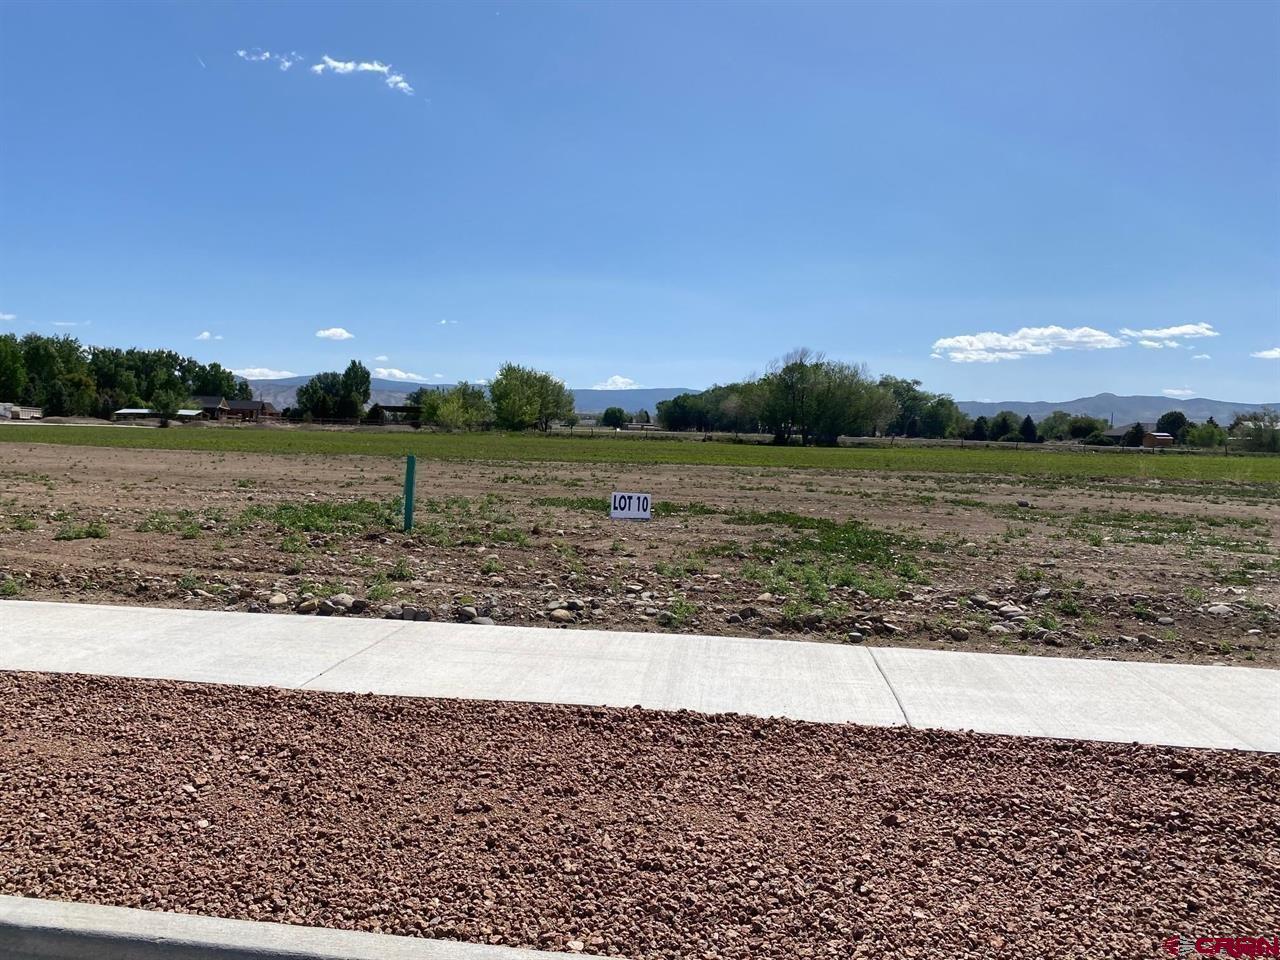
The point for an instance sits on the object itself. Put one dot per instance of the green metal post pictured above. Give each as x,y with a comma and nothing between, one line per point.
409,465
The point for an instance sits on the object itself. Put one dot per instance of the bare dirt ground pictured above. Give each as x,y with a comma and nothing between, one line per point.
1102,568
543,826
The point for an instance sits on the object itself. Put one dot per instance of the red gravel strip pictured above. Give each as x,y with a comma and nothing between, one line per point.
632,832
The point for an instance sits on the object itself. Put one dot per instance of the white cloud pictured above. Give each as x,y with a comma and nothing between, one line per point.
391,373
1168,335
437,376
335,333
257,55
617,382
1202,356
990,347
206,335
1158,344
72,323
395,81
1178,393
8,317
263,373
445,323
1272,354
382,358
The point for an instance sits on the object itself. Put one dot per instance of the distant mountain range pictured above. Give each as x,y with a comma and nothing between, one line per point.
1124,410
283,393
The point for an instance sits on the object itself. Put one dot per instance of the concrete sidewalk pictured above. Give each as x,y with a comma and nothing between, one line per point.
32,929
1209,706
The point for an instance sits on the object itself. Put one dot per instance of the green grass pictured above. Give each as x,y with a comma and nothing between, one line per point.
500,446
324,516
93,530
10,587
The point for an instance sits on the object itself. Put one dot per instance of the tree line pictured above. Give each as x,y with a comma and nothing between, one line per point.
68,379
518,398
808,399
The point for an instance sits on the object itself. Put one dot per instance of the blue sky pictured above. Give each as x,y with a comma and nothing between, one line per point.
1030,201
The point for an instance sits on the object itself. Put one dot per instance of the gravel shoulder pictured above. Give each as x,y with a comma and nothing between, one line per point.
1140,570
621,831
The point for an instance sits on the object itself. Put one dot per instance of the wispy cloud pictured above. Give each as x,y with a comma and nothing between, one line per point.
1178,393
8,317
991,347
1202,356
392,373
382,358
72,323
257,55
1272,354
445,323
263,373
335,333
437,376
206,335
390,77
1158,338
617,382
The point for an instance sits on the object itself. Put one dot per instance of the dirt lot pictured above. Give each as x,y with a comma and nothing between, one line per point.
1103,568
723,837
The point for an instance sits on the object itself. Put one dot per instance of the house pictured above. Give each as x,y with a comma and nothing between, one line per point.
1118,433
213,408
385,413
15,411
252,410
1151,440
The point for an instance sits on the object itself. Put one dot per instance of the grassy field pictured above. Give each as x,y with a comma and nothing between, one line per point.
524,447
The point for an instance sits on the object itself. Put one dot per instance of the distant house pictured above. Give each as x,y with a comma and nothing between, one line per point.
143,413
252,410
1118,433
16,411
384,413
213,408
1152,439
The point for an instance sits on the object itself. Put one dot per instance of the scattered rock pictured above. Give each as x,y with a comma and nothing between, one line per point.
561,615
277,600
345,601
307,605
958,633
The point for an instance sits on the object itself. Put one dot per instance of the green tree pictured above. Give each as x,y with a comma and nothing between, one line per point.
1173,423
979,429
167,402
1260,430
356,389
1027,430
1133,436
320,396
524,398
1056,426
1208,435
614,417
1002,424
1083,426
463,407
13,372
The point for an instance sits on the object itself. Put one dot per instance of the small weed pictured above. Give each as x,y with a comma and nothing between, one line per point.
682,611
190,532
10,587
492,565
400,570
93,530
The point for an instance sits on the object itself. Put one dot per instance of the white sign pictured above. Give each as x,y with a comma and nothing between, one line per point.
629,506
